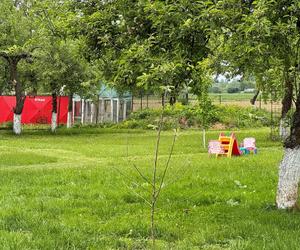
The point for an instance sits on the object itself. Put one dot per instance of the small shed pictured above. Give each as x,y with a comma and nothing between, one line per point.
110,107
114,107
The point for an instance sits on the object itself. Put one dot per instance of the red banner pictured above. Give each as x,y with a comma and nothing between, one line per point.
37,109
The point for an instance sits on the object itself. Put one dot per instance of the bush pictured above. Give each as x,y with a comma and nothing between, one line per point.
243,117
194,117
232,90
215,90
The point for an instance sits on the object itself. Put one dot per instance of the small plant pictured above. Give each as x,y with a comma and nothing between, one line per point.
156,182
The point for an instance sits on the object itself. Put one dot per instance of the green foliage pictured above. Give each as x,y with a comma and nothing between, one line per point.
196,117
60,63
233,90
256,39
215,90
243,117
16,28
145,45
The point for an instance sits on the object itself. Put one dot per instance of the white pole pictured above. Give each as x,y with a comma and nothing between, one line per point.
102,111
73,111
92,112
204,138
124,110
82,111
118,109
112,110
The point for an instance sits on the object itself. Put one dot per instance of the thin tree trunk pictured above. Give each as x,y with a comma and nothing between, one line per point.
70,110
20,97
13,61
254,98
147,101
172,100
289,169
54,112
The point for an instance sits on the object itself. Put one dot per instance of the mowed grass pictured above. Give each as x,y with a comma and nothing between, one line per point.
78,190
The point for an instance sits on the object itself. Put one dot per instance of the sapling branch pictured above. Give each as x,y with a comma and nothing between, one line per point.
167,165
154,198
137,194
142,176
129,178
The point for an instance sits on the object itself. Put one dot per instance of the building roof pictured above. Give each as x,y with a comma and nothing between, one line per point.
108,92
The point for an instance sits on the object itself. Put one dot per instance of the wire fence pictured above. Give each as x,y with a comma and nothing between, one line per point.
243,100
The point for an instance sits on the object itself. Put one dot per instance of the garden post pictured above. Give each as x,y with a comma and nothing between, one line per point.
82,111
124,110
118,109
112,110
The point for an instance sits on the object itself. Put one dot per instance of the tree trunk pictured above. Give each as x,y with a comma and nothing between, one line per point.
254,98
172,100
287,192
54,112
162,100
20,97
289,169
17,126
70,111
13,61
287,102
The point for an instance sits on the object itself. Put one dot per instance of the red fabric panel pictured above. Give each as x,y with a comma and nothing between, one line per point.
7,104
37,109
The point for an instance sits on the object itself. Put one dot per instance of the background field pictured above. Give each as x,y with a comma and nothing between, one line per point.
78,190
239,99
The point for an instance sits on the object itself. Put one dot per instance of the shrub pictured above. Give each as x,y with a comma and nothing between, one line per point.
232,90
194,117
215,90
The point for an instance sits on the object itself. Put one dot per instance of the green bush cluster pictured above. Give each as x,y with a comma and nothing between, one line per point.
243,117
196,117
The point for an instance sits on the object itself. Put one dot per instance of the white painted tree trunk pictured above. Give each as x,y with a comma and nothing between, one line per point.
17,126
283,129
54,122
289,173
69,120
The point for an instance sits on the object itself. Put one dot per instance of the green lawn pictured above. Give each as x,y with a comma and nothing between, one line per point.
78,190
234,97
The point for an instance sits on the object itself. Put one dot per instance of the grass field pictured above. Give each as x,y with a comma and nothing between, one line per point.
78,190
231,97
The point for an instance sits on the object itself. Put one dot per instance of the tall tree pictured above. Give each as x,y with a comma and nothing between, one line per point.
15,45
147,44
262,37
62,66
